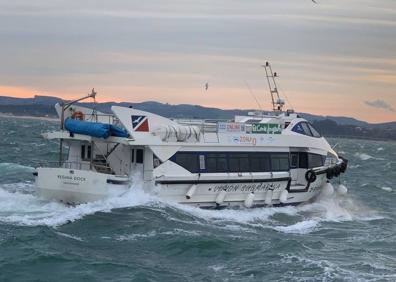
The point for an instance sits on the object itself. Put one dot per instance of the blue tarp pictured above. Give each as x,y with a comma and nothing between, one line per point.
95,129
117,131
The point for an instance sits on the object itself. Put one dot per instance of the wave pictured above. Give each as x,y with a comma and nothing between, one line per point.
302,227
371,270
365,157
306,218
15,166
387,189
22,207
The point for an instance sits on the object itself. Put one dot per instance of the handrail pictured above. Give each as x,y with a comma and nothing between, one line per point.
55,164
71,165
112,119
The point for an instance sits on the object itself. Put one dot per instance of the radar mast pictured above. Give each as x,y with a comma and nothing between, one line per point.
277,102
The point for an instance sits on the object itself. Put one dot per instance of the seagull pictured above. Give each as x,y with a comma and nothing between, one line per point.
206,86
315,1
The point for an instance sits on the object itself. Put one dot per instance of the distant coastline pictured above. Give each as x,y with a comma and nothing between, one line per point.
52,119
42,108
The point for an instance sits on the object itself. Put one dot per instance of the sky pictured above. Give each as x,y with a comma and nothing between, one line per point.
335,58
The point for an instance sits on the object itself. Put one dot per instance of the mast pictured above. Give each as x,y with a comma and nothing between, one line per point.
277,102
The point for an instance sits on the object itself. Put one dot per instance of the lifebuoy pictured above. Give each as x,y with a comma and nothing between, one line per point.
78,115
310,176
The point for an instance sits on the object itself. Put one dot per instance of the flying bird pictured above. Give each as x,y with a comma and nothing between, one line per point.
206,86
315,1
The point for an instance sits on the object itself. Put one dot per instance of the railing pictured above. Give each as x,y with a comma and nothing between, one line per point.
102,168
104,118
204,125
69,165
219,126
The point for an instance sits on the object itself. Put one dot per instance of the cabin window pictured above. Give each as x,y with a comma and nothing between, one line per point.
139,156
211,163
294,160
187,160
232,161
306,129
315,133
315,160
133,155
302,160
222,163
83,152
216,162
89,152
279,161
238,162
86,152
306,160
259,162
298,128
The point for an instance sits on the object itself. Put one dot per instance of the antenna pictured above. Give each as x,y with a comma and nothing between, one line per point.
277,102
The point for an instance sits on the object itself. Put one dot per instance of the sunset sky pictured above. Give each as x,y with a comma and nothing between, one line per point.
336,57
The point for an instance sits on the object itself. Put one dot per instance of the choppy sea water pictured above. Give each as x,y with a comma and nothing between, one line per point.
139,238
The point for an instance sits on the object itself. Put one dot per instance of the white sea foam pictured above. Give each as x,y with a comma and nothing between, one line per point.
139,236
340,208
365,157
24,208
242,216
354,166
28,209
330,209
70,236
302,227
387,189
132,237
339,270
380,149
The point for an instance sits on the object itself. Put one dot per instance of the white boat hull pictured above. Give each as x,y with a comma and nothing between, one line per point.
80,186
266,193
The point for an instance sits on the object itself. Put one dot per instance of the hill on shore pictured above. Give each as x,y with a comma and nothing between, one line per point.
43,106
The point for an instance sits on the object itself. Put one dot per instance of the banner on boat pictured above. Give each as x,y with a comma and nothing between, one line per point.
266,128
231,127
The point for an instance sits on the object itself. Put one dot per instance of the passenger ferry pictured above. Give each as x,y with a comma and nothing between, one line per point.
260,159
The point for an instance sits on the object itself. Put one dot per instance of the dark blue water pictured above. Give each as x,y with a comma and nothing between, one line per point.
139,238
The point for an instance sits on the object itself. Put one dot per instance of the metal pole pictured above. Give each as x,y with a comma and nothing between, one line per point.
61,140
65,106
91,156
270,86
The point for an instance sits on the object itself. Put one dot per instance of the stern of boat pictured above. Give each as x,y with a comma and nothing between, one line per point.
74,186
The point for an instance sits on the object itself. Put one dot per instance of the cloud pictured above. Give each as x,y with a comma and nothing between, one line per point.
380,104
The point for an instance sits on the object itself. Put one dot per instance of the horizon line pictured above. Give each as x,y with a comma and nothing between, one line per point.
203,106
